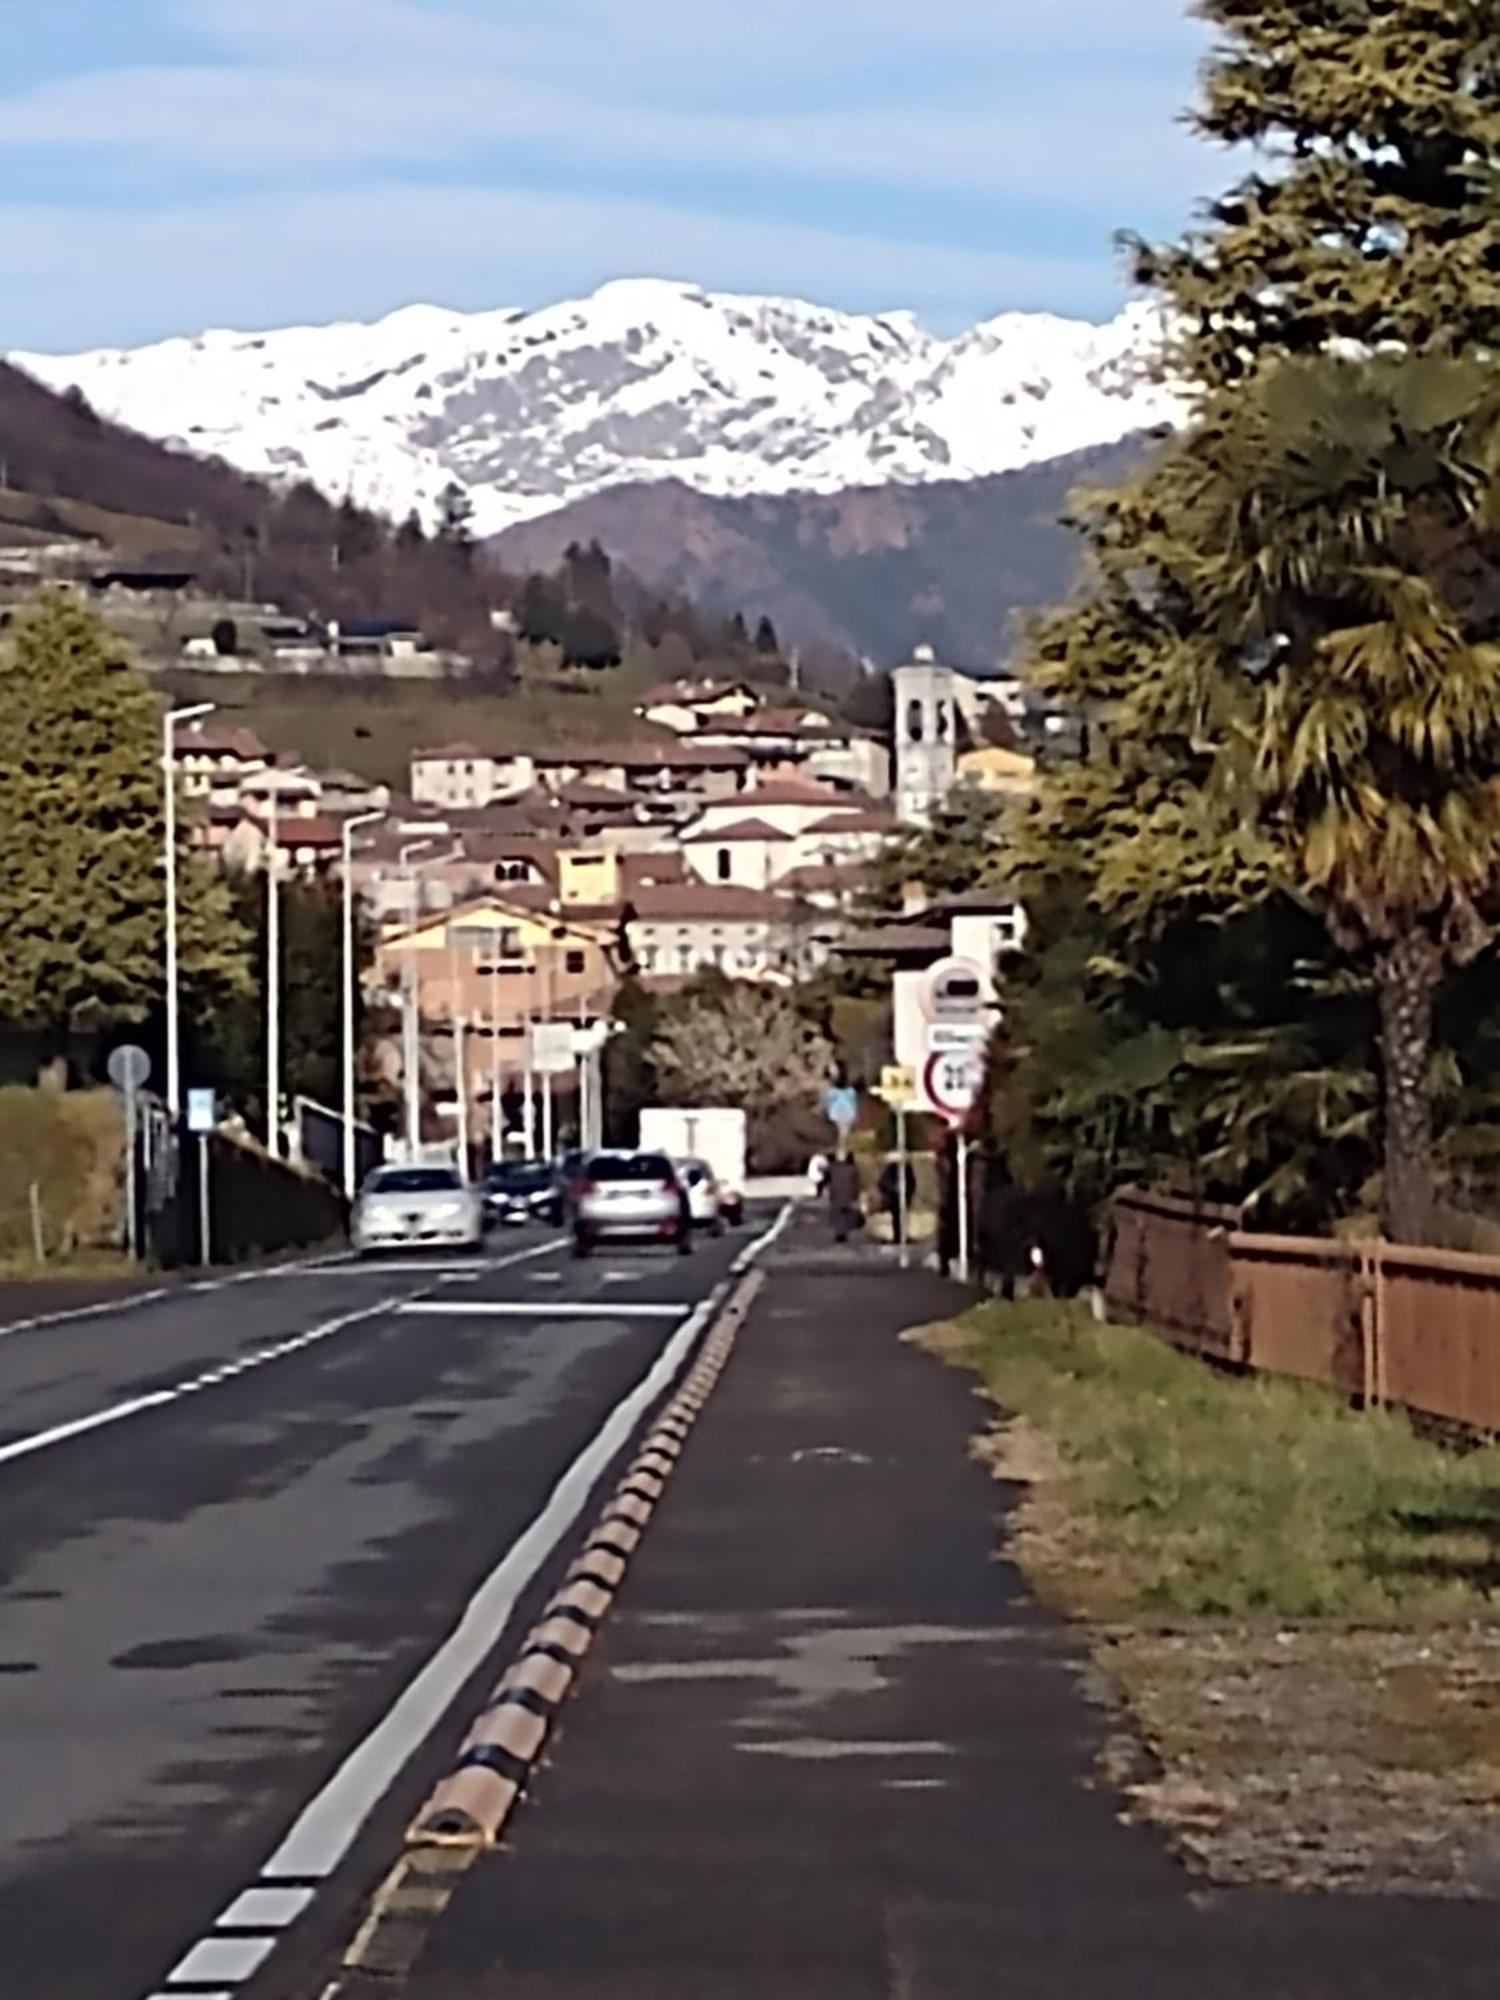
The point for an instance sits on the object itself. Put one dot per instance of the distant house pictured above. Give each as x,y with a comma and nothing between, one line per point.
686,706
1006,773
385,645
307,843
214,760
677,930
453,774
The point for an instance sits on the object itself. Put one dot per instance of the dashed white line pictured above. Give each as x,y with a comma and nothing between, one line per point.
538,1309
193,1385
328,1827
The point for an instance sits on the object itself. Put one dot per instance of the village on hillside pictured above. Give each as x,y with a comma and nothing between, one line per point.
511,888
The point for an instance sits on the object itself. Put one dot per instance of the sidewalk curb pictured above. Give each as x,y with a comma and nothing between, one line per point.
470,1807
466,1813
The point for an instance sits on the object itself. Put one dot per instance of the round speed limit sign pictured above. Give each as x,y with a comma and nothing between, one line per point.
951,1080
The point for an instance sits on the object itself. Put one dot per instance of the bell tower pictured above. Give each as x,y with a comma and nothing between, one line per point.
926,735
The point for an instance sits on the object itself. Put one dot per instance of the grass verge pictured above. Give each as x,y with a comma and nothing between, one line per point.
1297,1602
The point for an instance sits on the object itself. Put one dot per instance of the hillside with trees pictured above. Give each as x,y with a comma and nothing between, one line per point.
66,474
874,571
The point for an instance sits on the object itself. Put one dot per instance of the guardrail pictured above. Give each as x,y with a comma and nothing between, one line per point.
1414,1329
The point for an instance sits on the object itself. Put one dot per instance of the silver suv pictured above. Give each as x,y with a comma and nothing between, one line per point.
625,1197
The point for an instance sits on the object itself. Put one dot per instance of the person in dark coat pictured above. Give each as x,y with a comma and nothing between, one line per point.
898,1190
1068,1243
948,1195
1005,1235
845,1202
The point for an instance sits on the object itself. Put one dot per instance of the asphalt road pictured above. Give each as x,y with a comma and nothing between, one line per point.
236,1524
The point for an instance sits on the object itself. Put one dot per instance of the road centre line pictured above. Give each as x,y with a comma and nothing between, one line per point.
225,1371
539,1309
324,1833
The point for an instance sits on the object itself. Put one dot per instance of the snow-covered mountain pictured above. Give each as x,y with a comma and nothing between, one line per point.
643,381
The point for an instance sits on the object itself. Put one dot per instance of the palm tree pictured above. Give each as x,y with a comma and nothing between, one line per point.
1347,518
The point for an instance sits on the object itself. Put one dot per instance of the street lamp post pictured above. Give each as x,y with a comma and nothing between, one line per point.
411,1020
170,721
351,978
273,978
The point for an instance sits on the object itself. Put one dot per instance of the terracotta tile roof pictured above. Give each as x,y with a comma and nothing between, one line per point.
642,756
708,902
221,740
803,792
301,830
687,692
743,829
865,820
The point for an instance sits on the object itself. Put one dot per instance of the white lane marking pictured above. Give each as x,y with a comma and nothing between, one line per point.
265,1909
24,1447
374,1267
228,1958
329,1825
131,1301
538,1309
193,1385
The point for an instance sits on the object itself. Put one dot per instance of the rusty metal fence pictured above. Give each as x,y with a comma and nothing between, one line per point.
1415,1329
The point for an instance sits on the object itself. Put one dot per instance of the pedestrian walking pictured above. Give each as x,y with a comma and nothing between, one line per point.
898,1190
845,1199
948,1200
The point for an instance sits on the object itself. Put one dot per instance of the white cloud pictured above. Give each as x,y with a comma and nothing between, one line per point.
987,118
387,81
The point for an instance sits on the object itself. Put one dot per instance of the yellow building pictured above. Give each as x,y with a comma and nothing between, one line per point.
1008,773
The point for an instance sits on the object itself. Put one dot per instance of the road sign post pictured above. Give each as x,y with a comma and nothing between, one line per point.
203,1116
129,1071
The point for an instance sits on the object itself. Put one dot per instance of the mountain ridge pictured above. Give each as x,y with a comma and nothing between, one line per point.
734,396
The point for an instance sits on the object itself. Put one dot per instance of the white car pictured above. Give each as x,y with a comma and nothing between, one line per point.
417,1208
705,1204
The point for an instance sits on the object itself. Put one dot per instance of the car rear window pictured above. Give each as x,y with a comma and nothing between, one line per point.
631,1167
520,1179
415,1180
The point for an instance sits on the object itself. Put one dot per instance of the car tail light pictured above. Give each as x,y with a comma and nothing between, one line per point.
587,1187
667,1187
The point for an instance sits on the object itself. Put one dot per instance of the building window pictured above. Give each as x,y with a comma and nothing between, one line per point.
916,722
576,963
509,941
685,957
725,864
942,722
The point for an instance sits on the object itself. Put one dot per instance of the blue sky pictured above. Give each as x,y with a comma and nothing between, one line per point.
171,164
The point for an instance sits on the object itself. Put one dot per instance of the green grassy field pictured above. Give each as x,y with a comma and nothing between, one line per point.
371,726
1183,1491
